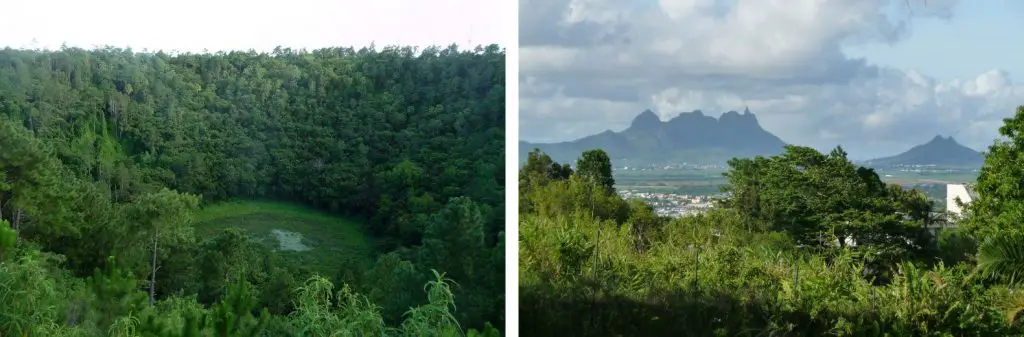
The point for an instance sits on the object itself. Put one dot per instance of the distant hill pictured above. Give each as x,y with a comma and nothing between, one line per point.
941,151
690,137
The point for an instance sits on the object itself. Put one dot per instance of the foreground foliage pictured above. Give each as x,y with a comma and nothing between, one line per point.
807,244
40,299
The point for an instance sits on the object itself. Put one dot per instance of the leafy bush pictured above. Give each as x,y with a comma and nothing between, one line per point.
725,273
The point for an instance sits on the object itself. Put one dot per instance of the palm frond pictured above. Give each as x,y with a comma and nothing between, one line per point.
1002,257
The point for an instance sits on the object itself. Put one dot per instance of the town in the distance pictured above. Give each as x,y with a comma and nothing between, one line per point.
677,166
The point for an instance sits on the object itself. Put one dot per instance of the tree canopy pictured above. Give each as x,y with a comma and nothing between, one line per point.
107,154
999,205
824,201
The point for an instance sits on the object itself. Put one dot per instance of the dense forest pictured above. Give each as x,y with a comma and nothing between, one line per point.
804,244
108,156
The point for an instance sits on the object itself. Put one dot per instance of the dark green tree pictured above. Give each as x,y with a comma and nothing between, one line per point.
995,218
595,165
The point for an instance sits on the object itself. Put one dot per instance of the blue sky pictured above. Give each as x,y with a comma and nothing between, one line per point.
983,34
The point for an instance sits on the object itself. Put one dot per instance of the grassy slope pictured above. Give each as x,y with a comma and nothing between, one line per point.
334,240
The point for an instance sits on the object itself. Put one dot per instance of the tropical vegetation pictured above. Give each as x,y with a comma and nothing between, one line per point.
110,157
804,244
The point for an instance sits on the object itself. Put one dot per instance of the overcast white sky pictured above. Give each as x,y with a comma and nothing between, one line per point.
194,25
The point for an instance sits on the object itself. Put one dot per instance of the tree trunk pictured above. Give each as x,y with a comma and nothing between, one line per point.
152,276
17,232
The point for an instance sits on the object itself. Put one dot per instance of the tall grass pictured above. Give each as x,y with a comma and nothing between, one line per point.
712,275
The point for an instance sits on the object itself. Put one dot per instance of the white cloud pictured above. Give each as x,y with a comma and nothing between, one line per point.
767,38
194,25
987,83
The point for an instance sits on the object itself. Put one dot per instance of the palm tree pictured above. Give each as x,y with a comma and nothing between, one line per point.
1002,257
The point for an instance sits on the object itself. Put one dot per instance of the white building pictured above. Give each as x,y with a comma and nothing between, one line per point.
958,191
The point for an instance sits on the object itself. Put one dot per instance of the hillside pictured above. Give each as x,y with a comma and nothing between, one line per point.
690,137
379,170
940,151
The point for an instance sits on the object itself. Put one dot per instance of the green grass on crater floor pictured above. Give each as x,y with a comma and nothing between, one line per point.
304,236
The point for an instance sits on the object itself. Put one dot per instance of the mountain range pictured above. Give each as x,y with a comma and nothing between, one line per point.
940,151
690,137
697,139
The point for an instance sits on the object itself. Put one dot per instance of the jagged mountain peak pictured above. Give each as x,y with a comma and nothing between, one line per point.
689,137
938,139
735,120
646,119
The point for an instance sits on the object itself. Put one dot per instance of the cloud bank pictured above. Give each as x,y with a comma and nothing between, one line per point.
591,65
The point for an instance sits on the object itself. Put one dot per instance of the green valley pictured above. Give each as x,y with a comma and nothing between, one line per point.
304,236
338,191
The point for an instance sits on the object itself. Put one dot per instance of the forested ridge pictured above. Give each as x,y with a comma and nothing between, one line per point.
804,244
106,156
